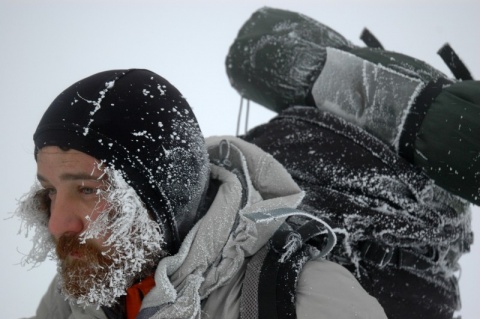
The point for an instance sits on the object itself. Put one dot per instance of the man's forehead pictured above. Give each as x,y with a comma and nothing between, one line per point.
67,155
71,164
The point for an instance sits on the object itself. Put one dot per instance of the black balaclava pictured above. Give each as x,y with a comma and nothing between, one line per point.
139,124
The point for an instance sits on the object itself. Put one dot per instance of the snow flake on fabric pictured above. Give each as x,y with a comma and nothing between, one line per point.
108,85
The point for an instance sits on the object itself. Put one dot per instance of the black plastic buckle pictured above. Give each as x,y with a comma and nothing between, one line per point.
377,254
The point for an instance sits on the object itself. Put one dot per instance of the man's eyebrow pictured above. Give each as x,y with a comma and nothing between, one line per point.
80,176
74,177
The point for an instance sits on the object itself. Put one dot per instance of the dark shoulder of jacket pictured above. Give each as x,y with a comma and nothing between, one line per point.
117,311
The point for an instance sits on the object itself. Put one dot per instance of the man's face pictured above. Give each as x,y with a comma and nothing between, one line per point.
105,239
72,182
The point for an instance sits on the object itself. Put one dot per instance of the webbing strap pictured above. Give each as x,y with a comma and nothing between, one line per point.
309,229
277,284
382,255
247,115
370,40
452,60
312,229
272,214
287,283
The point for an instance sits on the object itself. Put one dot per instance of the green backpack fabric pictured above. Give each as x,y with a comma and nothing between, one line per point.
282,59
447,145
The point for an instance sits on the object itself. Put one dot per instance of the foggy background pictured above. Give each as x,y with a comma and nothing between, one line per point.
45,46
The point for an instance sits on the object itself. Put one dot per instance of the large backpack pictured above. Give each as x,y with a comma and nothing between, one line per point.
359,130
398,233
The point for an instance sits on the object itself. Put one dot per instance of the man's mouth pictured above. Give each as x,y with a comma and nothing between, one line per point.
75,255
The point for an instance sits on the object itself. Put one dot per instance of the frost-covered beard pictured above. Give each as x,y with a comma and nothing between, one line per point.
79,275
132,244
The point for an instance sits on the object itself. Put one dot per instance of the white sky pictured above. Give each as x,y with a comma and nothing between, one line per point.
48,45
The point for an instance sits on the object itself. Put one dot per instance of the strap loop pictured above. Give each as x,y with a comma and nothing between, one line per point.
452,60
370,40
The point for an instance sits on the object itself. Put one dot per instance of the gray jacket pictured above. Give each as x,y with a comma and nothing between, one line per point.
204,279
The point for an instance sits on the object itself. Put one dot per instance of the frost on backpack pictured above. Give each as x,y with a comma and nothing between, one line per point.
385,146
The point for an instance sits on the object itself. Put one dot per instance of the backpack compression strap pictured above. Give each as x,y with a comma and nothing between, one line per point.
271,277
370,40
452,60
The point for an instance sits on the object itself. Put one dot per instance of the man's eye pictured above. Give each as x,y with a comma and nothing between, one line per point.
88,190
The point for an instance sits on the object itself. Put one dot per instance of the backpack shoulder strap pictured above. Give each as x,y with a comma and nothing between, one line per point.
272,274
269,286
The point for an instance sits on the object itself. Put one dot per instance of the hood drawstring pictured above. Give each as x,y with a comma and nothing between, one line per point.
240,116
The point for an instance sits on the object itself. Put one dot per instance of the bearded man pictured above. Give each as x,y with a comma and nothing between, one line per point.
149,220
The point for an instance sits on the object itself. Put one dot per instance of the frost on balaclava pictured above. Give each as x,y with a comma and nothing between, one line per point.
146,138
140,125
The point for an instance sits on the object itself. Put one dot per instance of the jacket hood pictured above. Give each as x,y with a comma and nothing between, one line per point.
252,181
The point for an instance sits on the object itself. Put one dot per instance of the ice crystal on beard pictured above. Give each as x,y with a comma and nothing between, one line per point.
34,219
134,240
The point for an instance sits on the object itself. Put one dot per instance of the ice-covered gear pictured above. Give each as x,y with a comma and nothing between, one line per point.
277,55
398,233
281,59
428,119
204,279
139,124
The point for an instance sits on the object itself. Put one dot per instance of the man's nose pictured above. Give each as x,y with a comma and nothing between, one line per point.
64,217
